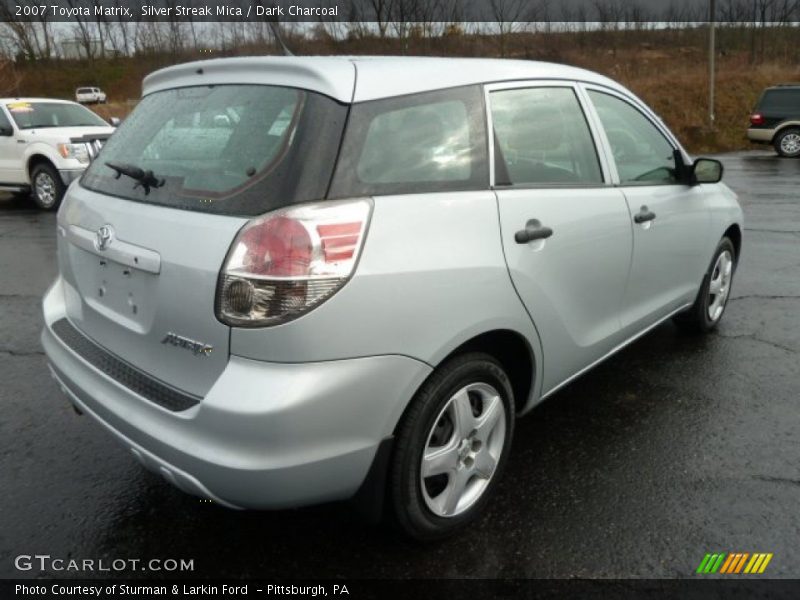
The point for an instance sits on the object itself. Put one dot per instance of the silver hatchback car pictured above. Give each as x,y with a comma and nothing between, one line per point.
288,281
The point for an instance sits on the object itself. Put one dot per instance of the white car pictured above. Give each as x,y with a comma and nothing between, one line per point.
90,95
45,145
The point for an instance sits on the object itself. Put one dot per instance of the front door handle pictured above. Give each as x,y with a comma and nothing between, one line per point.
644,215
533,231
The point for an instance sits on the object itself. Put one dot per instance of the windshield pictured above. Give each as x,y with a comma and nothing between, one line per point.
36,115
234,149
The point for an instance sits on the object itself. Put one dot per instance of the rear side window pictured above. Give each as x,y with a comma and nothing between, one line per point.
431,142
787,100
542,137
229,149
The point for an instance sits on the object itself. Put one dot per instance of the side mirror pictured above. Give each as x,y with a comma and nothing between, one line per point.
115,121
6,131
707,170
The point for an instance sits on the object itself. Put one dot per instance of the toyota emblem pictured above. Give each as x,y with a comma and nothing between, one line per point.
103,237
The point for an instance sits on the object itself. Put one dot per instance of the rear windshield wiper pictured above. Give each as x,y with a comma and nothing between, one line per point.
146,179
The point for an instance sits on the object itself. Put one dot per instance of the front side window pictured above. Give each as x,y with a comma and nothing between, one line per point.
39,115
427,142
542,138
642,154
230,149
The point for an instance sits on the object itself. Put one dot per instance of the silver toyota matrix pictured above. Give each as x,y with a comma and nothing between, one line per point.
287,281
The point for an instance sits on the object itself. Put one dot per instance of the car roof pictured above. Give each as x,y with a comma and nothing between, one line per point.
55,100
362,78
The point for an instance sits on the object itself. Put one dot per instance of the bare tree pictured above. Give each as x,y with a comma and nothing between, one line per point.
84,30
510,16
335,29
381,12
29,40
9,78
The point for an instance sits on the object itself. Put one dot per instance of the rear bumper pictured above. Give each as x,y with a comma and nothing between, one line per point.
760,136
266,435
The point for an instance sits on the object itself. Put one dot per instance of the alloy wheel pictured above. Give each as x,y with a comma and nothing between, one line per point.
45,189
790,143
463,449
720,285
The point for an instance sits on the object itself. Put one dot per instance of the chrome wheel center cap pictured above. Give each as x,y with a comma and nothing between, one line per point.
464,449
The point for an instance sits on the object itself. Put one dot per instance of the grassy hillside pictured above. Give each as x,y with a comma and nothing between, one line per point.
668,70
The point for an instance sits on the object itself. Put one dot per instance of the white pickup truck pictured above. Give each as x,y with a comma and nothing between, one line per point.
90,95
45,145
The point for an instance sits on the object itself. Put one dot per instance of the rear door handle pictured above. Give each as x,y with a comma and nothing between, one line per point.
533,231
644,215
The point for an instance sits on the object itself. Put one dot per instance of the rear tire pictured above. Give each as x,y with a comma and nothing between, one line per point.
451,447
46,186
709,306
787,142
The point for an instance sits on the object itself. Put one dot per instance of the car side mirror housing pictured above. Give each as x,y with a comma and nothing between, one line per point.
6,131
707,170
115,121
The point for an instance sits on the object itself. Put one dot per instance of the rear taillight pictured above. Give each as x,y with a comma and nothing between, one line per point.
283,264
757,119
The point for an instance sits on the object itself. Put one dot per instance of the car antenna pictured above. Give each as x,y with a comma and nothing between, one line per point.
276,31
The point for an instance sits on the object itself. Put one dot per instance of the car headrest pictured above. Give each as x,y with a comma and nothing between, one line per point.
537,130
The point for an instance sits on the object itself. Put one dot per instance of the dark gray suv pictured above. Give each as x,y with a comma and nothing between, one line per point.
776,119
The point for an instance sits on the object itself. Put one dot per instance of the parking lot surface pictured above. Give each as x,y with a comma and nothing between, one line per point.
675,447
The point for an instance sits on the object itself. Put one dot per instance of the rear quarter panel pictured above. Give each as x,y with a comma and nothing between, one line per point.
432,275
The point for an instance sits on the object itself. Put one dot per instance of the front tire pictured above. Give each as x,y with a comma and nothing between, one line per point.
451,447
708,307
787,142
47,187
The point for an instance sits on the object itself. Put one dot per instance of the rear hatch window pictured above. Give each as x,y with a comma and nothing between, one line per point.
227,149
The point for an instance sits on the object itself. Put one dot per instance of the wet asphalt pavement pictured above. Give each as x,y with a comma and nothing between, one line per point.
675,447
